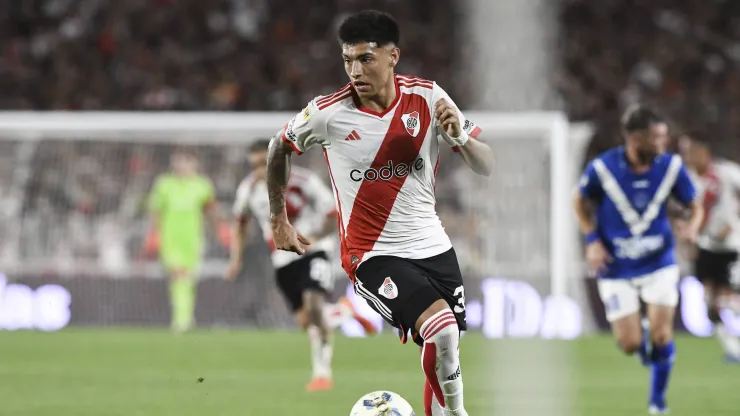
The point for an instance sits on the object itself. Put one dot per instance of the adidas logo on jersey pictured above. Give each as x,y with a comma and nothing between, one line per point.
352,136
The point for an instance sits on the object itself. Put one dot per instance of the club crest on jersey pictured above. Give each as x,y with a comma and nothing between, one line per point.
411,123
388,289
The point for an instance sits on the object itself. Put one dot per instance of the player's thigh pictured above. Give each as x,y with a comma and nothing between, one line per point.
659,291
445,276
620,297
396,289
628,332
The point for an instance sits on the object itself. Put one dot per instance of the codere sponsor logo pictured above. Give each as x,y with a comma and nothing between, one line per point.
387,172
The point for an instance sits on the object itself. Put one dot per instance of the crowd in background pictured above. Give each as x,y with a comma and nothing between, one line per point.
196,55
681,55
79,199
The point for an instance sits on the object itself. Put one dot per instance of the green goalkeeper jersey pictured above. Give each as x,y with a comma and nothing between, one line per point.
180,203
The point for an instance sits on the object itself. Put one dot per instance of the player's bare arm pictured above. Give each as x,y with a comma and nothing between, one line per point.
694,223
596,255
240,234
278,171
475,153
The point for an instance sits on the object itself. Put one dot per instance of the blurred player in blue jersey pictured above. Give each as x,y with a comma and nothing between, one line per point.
621,207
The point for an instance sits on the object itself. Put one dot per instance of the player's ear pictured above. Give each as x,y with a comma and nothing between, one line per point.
395,55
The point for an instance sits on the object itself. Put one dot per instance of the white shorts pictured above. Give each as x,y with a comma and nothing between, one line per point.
621,297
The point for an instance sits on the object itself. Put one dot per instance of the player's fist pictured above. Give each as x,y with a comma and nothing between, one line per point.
449,121
687,233
285,237
225,234
597,257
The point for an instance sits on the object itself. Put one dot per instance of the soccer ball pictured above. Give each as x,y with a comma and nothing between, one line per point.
382,403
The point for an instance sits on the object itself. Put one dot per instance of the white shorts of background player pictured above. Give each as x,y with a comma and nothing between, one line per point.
621,297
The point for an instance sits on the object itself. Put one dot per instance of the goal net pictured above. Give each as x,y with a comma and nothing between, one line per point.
73,186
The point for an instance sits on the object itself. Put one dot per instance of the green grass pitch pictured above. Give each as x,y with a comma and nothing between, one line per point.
111,372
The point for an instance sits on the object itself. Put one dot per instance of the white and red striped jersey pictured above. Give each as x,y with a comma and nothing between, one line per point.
382,168
309,203
719,189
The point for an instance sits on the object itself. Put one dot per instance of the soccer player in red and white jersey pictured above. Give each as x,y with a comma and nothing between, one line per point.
305,280
718,182
381,135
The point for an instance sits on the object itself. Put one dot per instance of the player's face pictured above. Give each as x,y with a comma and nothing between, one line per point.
696,156
651,142
184,164
369,67
258,163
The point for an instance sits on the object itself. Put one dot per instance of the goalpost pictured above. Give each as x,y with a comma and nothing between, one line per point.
72,186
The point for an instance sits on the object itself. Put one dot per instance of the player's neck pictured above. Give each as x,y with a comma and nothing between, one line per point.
637,165
383,99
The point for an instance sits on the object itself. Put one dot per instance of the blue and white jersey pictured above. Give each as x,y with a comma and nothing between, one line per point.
631,216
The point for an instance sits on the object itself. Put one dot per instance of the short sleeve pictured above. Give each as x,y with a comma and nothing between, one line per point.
590,185
473,130
684,190
155,203
241,201
733,176
306,129
320,195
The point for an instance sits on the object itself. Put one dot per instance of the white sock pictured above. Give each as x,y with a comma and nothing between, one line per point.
729,343
321,353
440,359
336,314
327,353
436,407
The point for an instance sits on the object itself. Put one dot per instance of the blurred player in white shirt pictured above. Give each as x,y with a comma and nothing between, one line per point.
718,182
381,135
305,280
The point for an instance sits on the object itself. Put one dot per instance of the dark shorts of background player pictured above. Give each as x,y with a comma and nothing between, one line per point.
295,278
715,267
419,284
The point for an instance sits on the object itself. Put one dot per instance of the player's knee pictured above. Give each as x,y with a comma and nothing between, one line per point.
433,309
661,335
313,305
301,319
629,344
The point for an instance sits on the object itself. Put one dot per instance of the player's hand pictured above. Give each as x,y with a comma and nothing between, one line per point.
448,120
689,234
152,243
685,232
225,235
287,238
234,268
597,257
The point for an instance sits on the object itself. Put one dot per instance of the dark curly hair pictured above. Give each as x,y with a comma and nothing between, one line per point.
369,26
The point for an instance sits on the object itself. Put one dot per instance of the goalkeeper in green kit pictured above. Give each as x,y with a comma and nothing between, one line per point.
177,204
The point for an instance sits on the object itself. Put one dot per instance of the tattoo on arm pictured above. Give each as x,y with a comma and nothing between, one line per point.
278,172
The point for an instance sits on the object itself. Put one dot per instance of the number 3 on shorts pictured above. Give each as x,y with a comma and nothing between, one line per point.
459,293
321,273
